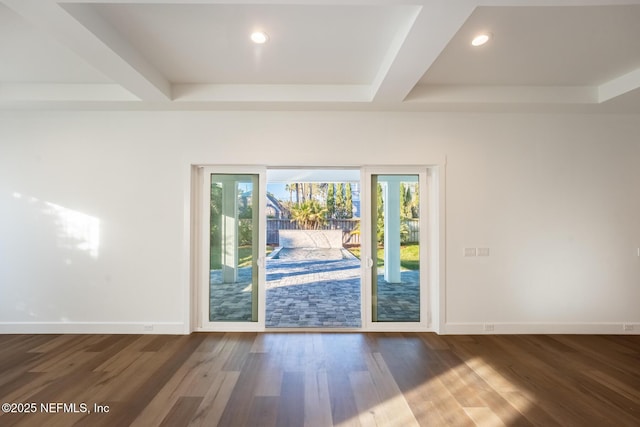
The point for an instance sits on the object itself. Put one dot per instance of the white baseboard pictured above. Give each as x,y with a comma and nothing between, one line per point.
177,328
628,328
159,328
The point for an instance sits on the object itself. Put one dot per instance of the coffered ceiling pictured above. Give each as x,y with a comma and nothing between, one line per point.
564,55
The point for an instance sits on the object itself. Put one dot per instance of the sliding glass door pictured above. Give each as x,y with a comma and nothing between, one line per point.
396,249
233,249
381,280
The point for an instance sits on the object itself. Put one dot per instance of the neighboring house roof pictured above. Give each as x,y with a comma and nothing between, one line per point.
274,204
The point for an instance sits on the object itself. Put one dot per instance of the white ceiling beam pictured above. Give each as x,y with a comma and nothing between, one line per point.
52,92
435,24
270,93
619,86
95,41
504,94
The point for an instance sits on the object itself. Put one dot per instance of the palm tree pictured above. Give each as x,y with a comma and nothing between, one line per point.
309,215
297,190
289,188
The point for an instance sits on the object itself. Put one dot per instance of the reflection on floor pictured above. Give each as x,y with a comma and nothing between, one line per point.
314,289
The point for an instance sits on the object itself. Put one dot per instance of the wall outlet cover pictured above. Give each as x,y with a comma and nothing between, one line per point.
469,251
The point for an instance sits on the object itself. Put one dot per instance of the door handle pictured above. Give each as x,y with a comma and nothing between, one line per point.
369,262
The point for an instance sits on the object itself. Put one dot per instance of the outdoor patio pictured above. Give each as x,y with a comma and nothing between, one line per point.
315,288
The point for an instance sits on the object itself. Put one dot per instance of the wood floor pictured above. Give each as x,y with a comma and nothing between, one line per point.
320,379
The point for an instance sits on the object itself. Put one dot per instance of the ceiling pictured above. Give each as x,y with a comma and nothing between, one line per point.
395,55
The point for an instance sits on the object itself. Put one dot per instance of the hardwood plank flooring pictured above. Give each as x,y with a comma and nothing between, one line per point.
320,379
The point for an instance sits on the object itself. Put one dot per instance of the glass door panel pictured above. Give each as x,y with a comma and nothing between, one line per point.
395,248
233,248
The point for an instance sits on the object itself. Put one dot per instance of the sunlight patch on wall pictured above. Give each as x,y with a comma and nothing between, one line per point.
76,230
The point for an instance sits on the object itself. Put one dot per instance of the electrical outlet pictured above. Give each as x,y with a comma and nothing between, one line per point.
147,328
469,251
488,327
483,251
627,327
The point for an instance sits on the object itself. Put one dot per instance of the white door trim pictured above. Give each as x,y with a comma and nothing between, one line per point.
433,295
429,245
204,324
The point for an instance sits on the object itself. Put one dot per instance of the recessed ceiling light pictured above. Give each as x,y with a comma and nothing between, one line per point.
480,39
259,37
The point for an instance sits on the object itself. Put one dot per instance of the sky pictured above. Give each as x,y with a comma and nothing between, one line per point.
279,191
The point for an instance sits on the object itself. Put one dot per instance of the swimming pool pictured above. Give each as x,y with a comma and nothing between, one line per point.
300,254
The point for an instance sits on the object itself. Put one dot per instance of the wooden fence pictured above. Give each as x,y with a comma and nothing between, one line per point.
346,225
414,230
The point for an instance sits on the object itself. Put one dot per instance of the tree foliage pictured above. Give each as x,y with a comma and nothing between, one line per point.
331,201
337,198
310,215
348,201
215,220
379,214
339,213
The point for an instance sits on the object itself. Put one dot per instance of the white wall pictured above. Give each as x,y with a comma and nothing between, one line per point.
555,198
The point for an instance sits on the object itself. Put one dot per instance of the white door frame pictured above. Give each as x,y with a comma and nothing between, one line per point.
432,304
204,324
427,235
